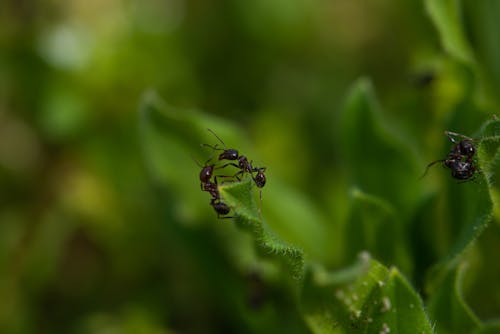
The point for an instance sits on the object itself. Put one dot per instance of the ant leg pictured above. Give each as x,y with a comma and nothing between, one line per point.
238,174
260,204
235,176
228,164
430,165
225,217
450,135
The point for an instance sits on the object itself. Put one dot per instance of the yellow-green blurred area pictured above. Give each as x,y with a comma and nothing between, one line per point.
90,243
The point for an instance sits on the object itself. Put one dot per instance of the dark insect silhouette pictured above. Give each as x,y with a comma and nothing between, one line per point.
460,159
206,173
236,160
220,207
243,164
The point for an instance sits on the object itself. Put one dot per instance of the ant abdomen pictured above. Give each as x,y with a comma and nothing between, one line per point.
260,178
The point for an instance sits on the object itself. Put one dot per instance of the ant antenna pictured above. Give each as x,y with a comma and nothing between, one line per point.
430,165
216,137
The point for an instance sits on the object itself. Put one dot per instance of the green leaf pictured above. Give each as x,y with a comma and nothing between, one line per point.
378,161
489,160
473,203
447,306
171,138
445,14
367,298
239,196
372,226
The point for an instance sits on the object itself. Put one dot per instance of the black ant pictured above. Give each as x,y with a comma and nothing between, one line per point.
207,185
244,165
220,207
460,159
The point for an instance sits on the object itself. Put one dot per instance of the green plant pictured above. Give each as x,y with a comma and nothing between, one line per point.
397,229
367,296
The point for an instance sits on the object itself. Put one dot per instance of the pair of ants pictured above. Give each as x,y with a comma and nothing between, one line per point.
244,166
460,159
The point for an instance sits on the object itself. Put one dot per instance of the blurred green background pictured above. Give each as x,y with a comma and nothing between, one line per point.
90,243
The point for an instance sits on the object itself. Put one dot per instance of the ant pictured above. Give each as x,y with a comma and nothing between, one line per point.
460,158
206,173
244,165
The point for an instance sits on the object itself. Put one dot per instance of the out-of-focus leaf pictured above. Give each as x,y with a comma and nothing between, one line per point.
369,299
445,15
239,197
483,26
447,306
378,161
489,328
372,226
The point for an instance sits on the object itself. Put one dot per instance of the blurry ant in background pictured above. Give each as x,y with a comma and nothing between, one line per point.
460,158
423,78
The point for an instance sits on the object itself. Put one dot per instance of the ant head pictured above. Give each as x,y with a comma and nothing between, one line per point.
467,148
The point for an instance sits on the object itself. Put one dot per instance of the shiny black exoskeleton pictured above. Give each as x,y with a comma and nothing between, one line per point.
220,207
206,173
460,159
260,177
461,170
